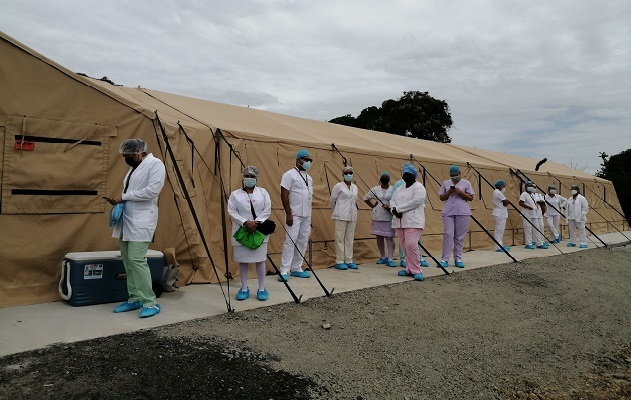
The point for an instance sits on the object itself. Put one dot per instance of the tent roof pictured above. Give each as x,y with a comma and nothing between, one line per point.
250,123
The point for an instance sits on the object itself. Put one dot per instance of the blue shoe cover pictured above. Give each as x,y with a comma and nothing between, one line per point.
459,264
403,264
391,263
284,276
150,311
444,264
300,274
571,244
403,273
543,246
127,306
424,263
418,277
262,295
583,246
507,248
342,267
243,294
499,251
382,261
352,265
529,247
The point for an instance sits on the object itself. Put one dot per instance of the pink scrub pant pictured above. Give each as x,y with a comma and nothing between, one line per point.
408,238
455,230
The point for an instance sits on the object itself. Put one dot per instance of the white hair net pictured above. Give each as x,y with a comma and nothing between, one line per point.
251,169
131,146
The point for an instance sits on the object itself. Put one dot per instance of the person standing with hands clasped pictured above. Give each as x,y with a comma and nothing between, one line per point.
408,208
500,214
456,193
344,204
378,198
249,207
532,203
296,193
553,212
577,209
135,229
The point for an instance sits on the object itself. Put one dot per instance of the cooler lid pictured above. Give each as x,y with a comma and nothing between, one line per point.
106,255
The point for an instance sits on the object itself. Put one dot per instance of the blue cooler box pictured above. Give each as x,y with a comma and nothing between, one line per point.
99,277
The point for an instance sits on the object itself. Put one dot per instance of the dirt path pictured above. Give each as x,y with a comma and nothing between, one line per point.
551,328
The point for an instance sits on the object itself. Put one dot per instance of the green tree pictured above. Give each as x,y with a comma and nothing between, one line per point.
415,114
616,169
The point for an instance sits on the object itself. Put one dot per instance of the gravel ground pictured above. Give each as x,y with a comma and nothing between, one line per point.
547,328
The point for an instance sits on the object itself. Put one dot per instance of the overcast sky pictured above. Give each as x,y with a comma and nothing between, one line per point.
536,78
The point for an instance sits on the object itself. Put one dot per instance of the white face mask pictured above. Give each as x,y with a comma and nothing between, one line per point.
553,191
531,189
503,190
574,192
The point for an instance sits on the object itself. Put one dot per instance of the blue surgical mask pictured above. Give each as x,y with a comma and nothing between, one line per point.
455,179
249,182
348,178
531,189
553,191
306,165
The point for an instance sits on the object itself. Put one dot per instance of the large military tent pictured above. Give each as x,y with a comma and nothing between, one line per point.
60,133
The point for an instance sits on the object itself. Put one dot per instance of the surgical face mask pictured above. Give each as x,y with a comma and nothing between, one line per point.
306,165
249,182
503,190
348,177
553,191
408,178
574,192
131,162
455,179
384,181
531,189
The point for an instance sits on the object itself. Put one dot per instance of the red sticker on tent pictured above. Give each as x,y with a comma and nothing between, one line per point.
24,145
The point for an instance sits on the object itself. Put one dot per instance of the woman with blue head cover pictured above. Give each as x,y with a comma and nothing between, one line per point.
408,208
456,193
500,213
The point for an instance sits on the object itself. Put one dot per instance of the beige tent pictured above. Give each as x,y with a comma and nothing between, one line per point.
60,134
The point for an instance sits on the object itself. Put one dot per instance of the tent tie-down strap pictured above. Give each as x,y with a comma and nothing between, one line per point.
426,171
192,209
518,171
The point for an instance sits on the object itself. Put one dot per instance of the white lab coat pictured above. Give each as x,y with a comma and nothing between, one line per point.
344,202
410,201
577,208
140,218
240,211
300,187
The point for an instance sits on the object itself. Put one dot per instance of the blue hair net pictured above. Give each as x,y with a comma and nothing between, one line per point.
500,183
454,170
410,169
302,154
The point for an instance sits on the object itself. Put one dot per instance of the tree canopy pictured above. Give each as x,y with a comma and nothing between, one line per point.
415,114
616,169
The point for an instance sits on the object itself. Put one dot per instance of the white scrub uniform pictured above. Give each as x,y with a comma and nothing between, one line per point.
500,215
552,216
577,209
300,187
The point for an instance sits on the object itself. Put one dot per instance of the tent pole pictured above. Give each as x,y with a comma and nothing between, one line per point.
425,171
192,209
296,299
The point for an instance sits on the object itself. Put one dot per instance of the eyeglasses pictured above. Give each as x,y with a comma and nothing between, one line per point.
306,159
348,173
249,176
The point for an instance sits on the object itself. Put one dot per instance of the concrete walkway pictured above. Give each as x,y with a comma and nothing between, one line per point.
31,327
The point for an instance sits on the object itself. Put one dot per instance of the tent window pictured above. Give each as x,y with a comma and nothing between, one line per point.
54,167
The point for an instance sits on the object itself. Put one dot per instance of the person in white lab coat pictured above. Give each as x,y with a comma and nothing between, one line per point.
500,213
533,207
577,209
296,194
135,229
344,204
554,203
408,208
250,206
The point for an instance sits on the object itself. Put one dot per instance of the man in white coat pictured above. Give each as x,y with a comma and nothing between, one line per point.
135,229
577,209
296,194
